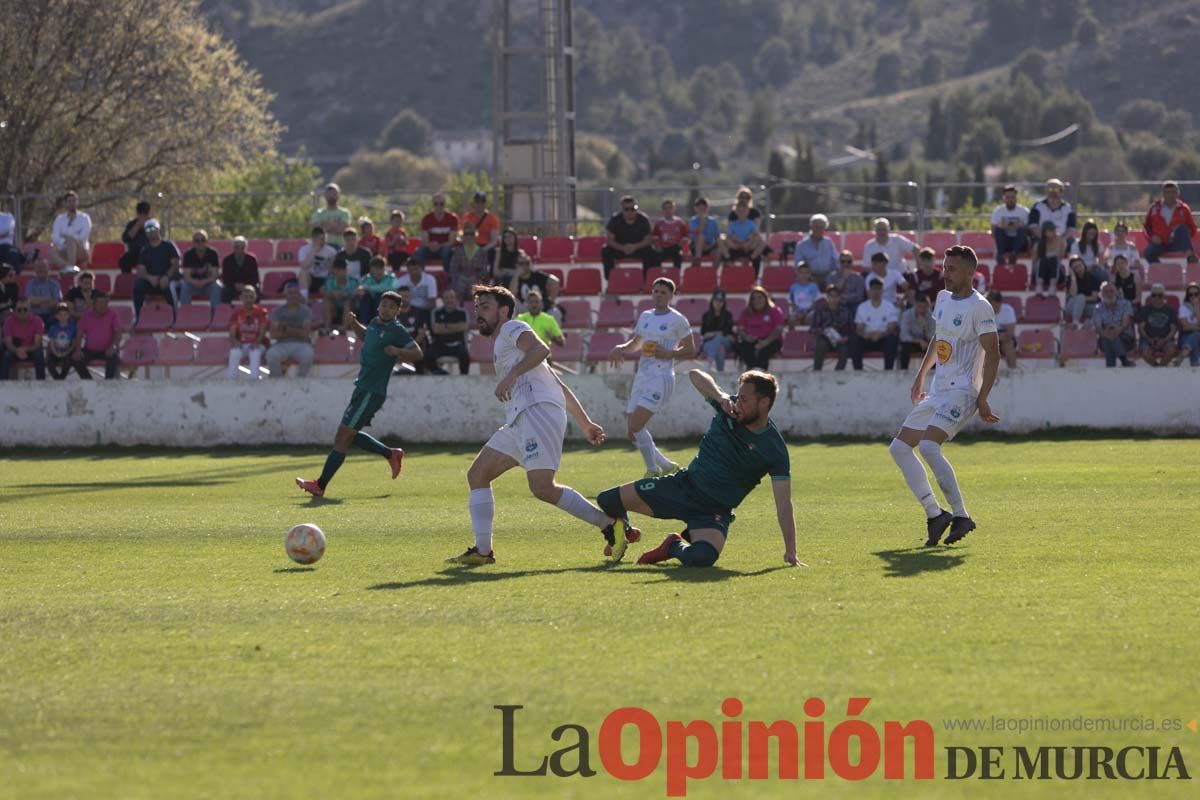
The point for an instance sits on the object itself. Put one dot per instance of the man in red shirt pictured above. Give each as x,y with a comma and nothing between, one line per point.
99,338
248,326
1169,225
22,332
395,241
368,238
438,229
669,234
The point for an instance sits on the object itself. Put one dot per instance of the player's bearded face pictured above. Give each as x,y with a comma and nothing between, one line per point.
487,314
746,408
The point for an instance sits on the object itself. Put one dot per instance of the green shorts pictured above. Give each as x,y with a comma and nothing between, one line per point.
676,497
362,408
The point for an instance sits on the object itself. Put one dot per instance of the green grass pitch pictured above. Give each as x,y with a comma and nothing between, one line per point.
155,642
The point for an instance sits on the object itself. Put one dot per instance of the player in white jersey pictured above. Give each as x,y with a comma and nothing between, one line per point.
664,335
966,348
535,421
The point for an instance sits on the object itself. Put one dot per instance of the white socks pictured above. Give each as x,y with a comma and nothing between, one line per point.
578,507
483,509
650,455
914,475
932,451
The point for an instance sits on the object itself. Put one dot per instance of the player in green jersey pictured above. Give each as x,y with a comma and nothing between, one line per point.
385,341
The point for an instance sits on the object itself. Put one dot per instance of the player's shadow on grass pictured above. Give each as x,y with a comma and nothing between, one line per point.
912,561
699,574
458,576
317,502
296,569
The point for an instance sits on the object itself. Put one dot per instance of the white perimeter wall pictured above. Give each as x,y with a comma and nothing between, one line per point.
464,409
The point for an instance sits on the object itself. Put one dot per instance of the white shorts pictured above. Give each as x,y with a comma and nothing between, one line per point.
650,392
947,410
535,438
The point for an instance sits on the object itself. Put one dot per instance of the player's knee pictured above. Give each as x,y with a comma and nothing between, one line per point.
476,476
610,503
929,448
545,490
898,448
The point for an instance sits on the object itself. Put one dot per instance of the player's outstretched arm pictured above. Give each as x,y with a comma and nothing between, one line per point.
990,342
358,327
593,432
782,490
535,353
917,392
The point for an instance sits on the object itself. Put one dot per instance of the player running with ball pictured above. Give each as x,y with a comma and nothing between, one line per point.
741,446
536,408
385,341
967,350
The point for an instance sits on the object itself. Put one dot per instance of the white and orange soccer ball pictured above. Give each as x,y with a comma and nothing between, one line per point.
305,544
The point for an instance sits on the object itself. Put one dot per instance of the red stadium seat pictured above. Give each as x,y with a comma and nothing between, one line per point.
1043,310
698,280
223,247
654,273
139,351
272,282
481,349
735,306
777,279
220,320
287,251
584,281
102,283
737,279
1015,302
123,286
1169,275
587,249
213,350
106,255
124,316
331,350
263,250
558,274
570,351
1078,343
176,351
777,240
577,314
1035,344
36,251
625,280
602,344
1138,239
65,282
1193,273
939,240
983,277
530,245
693,308
155,317
796,344
855,241
1010,277
23,280
557,249
193,317
982,243
615,314
645,304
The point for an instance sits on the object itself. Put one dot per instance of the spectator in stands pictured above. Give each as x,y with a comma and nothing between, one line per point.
894,284
802,294
10,290
1119,246
395,241
470,262
158,263
486,226
417,325
239,269
716,331
760,330
291,325
851,283
670,232
79,298
69,234
134,237
1010,227
744,198
201,268
438,229
1088,248
1053,208
927,281
10,252
1006,327
1113,320
528,279
448,333
916,330
99,337
341,293
248,327
332,219
507,256
544,325
817,251
630,235
895,246
60,342
423,286
315,258
377,281
1169,225
22,331
1189,326
356,257
1049,256
1127,282
705,233
876,327
832,326
1083,293
43,293
1158,325
743,240
368,238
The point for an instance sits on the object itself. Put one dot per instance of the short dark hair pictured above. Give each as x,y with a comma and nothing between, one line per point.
880,256
390,295
350,232
376,261
927,252
764,383
965,253
87,274
317,230
628,198
143,207
71,193
700,201
503,297
62,307
994,296
667,282
1008,187
99,295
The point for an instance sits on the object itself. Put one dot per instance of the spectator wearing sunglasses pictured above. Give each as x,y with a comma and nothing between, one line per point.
1189,327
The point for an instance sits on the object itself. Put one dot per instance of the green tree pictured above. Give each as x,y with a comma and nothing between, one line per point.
986,138
369,172
933,69
935,131
1087,29
773,62
882,194
889,72
409,131
271,197
762,119
979,193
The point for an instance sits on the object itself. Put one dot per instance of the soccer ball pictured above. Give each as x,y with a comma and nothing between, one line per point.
305,544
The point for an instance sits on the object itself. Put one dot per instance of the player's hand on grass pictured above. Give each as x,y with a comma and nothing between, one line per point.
504,388
791,559
985,411
594,433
